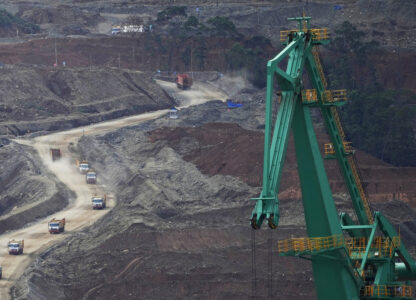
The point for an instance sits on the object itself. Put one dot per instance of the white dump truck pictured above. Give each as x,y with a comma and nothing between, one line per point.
56,226
16,247
83,166
98,202
91,177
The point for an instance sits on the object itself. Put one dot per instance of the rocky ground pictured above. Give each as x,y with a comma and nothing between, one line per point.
45,99
180,228
177,231
28,191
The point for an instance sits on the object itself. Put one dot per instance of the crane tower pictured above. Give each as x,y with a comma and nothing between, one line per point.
352,258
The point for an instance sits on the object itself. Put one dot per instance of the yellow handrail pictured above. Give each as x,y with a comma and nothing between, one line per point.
381,246
387,291
318,34
319,66
309,96
360,189
338,122
310,244
330,150
332,96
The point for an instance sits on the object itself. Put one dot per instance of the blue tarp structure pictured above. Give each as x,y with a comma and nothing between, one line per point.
338,7
231,104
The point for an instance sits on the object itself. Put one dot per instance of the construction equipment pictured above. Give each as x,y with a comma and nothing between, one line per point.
91,177
56,225
351,260
99,202
183,81
16,247
55,154
83,166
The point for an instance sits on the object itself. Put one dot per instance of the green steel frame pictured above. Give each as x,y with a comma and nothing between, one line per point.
338,274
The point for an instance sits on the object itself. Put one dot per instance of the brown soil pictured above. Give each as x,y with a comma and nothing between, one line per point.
228,149
146,52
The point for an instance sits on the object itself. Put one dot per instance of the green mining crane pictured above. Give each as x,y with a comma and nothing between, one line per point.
362,259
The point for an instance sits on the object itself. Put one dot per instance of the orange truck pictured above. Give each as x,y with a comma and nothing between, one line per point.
83,166
183,81
99,202
56,226
16,247
55,154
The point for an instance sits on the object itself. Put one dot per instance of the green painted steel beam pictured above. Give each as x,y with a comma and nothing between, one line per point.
367,249
357,227
320,211
276,140
337,142
300,21
389,231
346,221
285,52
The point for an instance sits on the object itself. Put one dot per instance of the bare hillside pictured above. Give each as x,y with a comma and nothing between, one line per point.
45,99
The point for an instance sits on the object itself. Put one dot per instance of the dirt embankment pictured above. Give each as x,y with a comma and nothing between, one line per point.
28,191
148,234
42,99
228,149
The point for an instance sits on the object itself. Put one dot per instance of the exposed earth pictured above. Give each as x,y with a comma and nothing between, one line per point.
180,227
177,221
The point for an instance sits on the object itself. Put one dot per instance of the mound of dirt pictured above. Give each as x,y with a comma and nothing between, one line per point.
228,149
61,14
41,99
27,190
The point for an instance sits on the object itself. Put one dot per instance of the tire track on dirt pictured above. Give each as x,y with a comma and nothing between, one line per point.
78,213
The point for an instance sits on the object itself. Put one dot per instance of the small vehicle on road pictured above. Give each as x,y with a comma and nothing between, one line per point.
183,81
99,202
83,166
91,177
55,154
16,247
56,226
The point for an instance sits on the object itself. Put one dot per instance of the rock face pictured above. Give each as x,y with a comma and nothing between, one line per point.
41,99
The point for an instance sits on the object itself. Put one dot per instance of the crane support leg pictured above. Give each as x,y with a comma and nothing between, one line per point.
320,211
275,142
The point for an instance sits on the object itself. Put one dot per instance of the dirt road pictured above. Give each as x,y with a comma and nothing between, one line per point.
79,213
